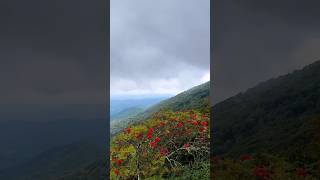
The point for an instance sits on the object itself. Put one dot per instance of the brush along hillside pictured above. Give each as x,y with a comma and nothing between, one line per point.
194,98
171,140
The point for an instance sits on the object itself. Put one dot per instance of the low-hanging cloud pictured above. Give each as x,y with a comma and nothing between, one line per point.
159,47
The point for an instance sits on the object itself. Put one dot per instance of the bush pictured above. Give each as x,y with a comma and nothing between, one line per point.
165,146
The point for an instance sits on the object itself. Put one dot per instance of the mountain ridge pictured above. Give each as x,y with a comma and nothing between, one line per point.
194,98
252,121
92,170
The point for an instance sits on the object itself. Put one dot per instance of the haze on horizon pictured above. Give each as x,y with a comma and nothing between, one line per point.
158,48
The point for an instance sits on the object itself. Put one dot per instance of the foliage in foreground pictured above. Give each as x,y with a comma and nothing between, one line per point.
296,163
262,167
168,145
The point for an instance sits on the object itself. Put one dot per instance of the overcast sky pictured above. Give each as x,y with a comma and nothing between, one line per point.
159,47
53,60
258,40
53,52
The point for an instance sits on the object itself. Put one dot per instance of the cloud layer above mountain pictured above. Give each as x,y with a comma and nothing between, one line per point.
159,47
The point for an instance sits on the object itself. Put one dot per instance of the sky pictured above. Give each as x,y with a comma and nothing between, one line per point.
257,40
53,52
53,59
158,47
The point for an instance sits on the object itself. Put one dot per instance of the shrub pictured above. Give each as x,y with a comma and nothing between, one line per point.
163,146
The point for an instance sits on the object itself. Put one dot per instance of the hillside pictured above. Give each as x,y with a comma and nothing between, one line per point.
271,130
49,148
64,162
169,140
118,105
57,162
127,113
94,171
29,139
195,98
270,116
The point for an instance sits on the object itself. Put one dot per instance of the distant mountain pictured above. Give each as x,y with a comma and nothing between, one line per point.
127,113
49,113
272,117
58,162
37,149
120,104
94,171
31,138
82,159
194,98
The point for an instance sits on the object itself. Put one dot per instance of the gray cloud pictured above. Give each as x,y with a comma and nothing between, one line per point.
158,46
53,52
258,40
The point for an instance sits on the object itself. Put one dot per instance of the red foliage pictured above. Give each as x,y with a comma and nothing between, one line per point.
139,136
150,130
203,128
301,172
163,151
128,130
149,135
186,146
116,171
157,139
261,172
195,123
162,123
152,144
204,123
119,162
245,157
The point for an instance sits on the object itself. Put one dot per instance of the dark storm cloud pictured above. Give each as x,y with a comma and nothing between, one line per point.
258,40
53,52
158,46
